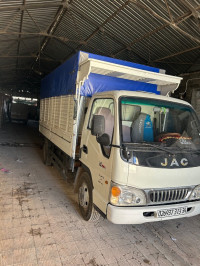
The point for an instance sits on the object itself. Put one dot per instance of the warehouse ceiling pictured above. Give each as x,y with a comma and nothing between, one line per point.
36,36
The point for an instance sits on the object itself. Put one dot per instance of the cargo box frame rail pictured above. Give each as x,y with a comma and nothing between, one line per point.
62,117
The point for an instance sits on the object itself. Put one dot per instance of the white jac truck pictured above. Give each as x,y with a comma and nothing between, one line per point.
134,149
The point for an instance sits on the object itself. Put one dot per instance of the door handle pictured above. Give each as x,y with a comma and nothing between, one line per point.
85,149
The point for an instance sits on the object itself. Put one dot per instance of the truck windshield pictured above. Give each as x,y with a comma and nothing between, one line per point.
159,123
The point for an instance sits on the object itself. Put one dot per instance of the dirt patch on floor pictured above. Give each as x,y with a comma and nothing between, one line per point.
35,232
23,192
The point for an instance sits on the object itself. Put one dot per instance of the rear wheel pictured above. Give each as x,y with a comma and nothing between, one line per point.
46,152
85,198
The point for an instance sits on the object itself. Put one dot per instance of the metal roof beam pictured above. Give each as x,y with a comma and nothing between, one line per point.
169,12
19,37
179,63
8,49
191,8
193,64
12,20
150,33
100,27
173,25
41,34
13,67
32,6
111,36
58,17
14,80
176,54
107,20
37,26
28,56
21,83
195,13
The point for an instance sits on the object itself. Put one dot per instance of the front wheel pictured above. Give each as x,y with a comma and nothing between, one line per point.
85,198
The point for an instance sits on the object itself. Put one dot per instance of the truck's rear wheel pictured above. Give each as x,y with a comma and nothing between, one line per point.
46,152
85,198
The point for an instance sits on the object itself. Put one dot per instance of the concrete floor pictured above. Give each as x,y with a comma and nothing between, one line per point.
40,223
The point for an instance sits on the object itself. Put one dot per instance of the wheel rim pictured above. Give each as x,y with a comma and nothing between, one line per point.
84,196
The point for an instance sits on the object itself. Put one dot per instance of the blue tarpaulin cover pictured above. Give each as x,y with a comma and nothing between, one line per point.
62,81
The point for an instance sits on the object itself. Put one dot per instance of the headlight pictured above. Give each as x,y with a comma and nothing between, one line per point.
195,195
126,196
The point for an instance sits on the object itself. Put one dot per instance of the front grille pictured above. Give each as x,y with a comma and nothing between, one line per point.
168,195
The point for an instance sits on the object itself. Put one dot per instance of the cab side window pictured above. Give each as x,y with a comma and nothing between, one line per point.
104,107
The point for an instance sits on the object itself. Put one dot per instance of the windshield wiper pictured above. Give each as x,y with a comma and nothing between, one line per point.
126,146
157,147
151,145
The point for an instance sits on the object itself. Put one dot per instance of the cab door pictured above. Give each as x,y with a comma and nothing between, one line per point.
96,157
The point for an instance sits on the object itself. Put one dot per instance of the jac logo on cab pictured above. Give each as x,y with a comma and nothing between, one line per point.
174,162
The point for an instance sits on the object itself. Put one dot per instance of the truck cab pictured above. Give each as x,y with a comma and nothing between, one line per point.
140,156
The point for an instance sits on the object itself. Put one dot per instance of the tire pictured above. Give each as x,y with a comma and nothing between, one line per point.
46,152
85,198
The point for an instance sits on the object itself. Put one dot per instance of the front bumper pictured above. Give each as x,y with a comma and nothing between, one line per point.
135,215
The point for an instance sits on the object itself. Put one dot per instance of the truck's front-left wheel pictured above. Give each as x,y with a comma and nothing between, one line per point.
85,198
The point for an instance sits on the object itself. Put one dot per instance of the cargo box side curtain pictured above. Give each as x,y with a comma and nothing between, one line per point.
63,80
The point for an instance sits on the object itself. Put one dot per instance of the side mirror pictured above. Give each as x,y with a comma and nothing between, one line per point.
104,139
98,125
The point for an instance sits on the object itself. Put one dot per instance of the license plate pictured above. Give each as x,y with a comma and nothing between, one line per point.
171,212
